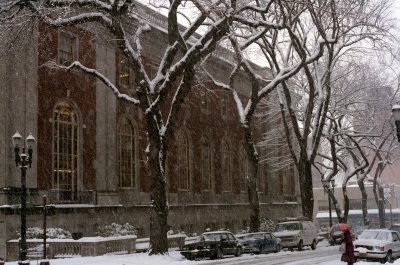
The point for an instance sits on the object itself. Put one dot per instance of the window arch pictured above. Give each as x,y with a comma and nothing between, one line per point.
206,164
126,154
66,155
226,166
243,168
183,154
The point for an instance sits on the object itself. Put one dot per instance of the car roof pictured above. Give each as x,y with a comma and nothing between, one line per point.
215,232
379,230
258,233
292,222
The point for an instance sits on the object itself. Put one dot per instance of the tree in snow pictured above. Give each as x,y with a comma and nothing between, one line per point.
281,46
346,24
159,96
359,129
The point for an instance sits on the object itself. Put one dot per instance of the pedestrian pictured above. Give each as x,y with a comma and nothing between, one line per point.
348,255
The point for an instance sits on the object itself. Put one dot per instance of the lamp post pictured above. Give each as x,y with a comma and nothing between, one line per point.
396,116
328,185
22,161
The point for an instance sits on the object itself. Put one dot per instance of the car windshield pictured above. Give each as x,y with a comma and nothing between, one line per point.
379,235
395,228
208,237
253,236
287,227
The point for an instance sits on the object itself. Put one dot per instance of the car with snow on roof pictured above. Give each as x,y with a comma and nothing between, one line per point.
213,245
377,244
297,234
261,242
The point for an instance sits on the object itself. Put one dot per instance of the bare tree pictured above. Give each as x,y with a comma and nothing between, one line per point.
281,47
358,128
346,23
175,73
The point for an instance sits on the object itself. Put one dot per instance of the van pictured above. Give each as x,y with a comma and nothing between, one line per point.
297,234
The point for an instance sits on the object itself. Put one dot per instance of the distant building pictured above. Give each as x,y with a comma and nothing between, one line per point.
392,205
89,157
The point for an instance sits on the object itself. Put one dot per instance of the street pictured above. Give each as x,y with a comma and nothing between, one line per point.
323,255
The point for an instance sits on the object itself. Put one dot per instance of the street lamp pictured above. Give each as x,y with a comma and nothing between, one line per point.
396,116
22,161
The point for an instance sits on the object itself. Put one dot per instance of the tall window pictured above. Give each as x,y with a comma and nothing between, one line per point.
260,177
67,48
183,162
206,164
126,154
65,154
243,169
123,71
226,167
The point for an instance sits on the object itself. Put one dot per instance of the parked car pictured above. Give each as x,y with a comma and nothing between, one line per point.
395,227
297,234
336,233
213,245
261,242
377,244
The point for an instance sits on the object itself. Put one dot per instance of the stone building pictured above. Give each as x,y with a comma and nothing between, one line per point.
89,156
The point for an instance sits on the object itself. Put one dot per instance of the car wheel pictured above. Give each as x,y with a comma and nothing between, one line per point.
278,248
388,258
314,245
261,250
300,246
219,253
238,251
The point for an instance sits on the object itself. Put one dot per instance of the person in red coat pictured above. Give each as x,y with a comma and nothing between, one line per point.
348,255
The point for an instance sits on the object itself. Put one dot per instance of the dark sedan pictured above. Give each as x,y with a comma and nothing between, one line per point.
261,242
213,245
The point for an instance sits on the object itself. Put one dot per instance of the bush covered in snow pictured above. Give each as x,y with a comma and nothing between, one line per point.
267,225
53,233
116,230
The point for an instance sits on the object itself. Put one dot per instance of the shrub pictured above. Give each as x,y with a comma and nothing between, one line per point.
267,225
53,233
116,230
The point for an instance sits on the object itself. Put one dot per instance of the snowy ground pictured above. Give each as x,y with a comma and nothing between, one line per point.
174,258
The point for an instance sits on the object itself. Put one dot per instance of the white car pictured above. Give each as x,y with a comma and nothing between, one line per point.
297,234
377,244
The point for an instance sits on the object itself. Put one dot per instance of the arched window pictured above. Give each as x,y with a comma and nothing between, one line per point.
243,168
226,167
66,156
183,153
126,154
206,165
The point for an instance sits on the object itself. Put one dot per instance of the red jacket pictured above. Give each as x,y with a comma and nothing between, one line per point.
348,256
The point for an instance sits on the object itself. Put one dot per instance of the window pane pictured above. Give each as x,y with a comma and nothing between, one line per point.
206,165
126,154
225,167
66,49
183,162
65,151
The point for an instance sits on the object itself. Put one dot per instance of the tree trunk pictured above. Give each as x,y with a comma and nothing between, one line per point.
364,206
158,195
253,197
346,204
306,187
252,179
381,207
336,207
